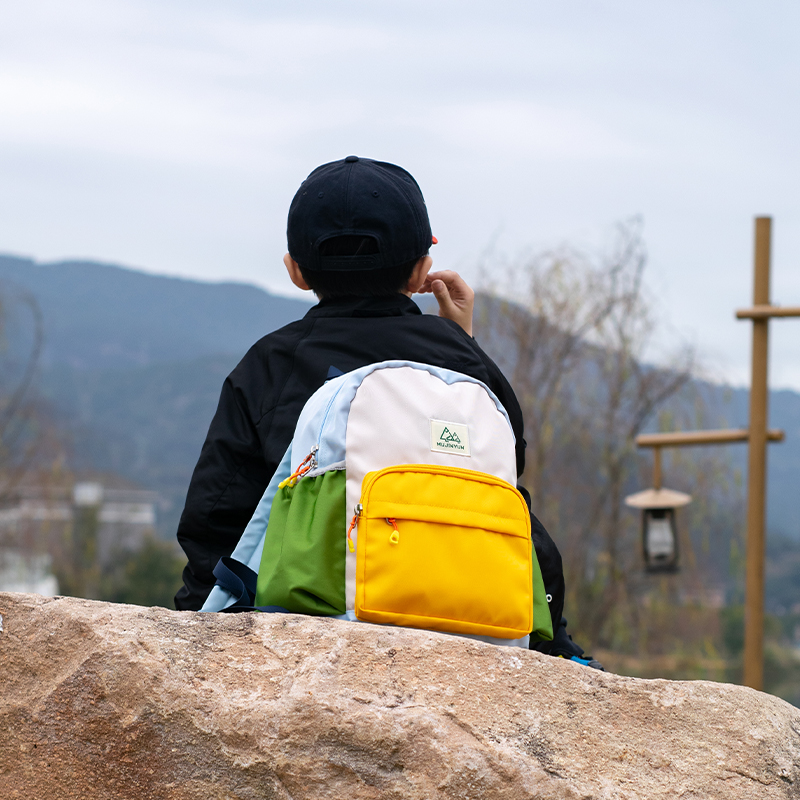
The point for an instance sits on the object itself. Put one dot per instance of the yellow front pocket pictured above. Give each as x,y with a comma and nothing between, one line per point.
445,549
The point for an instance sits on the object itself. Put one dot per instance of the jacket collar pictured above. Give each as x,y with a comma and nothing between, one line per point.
395,306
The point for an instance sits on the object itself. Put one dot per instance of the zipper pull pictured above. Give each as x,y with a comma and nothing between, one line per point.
308,463
394,536
353,523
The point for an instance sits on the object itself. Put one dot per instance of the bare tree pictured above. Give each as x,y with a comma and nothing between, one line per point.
572,337
20,413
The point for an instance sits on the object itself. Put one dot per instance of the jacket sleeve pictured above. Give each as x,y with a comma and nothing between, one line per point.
226,486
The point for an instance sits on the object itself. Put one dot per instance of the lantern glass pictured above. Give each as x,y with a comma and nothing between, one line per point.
660,540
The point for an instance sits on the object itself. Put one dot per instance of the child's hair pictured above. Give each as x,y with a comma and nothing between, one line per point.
382,282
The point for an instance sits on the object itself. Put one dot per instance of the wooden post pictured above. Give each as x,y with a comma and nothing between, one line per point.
757,437
757,468
656,467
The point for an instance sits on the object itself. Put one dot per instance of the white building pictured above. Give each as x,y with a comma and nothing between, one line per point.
36,523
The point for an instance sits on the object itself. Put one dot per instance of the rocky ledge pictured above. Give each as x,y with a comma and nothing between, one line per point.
112,701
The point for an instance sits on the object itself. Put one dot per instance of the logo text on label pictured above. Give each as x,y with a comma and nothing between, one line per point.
449,437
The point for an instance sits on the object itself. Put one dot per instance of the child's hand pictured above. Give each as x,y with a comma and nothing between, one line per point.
454,296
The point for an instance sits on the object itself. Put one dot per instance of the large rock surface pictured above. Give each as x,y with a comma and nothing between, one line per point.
110,701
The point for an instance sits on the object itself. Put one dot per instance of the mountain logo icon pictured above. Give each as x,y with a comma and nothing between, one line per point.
449,436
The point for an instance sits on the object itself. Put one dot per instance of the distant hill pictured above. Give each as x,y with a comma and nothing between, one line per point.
134,362
783,460
145,423
104,316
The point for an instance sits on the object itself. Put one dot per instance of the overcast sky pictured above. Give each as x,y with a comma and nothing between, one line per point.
171,135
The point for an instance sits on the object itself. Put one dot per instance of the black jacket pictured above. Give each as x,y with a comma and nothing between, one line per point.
262,398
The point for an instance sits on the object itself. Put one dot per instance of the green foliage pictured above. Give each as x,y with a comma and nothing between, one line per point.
781,657
733,630
76,566
149,576
782,671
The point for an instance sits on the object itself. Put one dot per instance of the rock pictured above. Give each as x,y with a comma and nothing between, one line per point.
111,701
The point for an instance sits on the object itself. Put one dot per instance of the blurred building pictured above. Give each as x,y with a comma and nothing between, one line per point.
30,573
40,524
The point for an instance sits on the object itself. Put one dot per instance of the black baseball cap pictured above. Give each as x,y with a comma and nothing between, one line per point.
358,197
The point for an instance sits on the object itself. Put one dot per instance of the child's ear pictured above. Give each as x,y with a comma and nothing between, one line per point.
293,268
418,275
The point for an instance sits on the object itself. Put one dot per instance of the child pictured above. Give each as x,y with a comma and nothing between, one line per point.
358,236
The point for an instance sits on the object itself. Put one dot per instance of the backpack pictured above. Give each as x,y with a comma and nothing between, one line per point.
395,503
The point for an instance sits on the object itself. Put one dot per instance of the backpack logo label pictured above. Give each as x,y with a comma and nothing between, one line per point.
449,437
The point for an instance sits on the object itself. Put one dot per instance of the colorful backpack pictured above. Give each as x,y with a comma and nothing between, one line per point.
395,503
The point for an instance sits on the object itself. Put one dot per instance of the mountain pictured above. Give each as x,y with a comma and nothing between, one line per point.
99,316
133,365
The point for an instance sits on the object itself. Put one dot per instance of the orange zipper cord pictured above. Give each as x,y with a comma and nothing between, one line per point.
305,465
394,536
350,531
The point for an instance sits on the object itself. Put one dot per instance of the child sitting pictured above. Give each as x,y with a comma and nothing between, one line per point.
359,238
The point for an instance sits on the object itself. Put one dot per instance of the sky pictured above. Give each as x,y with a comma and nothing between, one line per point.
171,135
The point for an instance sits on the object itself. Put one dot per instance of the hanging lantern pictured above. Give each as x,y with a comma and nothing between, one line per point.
659,533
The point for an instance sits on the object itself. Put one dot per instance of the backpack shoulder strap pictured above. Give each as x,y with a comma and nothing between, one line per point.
241,582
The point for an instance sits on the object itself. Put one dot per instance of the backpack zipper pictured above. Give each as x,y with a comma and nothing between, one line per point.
358,509
307,464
